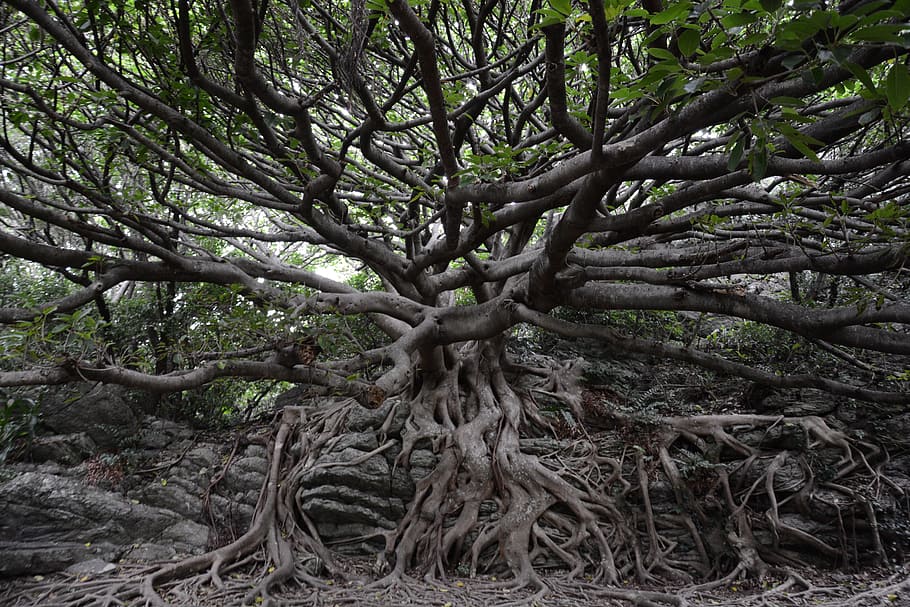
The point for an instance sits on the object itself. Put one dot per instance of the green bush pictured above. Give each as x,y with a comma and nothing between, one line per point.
18,418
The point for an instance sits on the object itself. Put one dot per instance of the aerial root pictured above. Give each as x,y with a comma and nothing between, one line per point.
264,531
593,513
581,511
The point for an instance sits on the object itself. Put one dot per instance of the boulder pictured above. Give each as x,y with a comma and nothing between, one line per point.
93,566
51,522
159,433
70,449
102,412
173,493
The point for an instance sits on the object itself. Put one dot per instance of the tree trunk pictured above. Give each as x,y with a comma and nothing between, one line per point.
535,473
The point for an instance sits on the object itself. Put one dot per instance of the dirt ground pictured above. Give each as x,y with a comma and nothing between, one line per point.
810,588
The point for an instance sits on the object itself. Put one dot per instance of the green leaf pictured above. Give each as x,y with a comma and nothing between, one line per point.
672,13
688,42
897,86
758,162
738,20
612,10
862,75
736,154
878,33
756,39
548,16
771,5
800,143
662,54
563,7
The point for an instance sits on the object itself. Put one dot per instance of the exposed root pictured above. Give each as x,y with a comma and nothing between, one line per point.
558,497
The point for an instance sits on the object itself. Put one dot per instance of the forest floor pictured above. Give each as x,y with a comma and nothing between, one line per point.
874,587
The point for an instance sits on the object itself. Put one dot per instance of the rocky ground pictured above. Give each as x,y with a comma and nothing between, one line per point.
89,502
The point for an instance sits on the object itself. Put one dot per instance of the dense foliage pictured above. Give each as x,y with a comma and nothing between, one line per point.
373,196
513,157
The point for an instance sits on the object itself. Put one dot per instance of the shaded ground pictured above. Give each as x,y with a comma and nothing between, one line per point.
869,588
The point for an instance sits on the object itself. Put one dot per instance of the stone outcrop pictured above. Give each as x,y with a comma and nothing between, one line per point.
51,522
71,501
104,413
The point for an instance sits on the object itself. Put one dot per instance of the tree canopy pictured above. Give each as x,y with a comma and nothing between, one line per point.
484,165
404,185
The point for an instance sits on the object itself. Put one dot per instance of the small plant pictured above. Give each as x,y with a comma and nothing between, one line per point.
18,418
751,341
699,472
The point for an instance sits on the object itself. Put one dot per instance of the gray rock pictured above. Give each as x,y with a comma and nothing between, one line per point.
372,475
33,557
849,414
350,504
252,465
51,522
91,567
199,458
895,428
542,445
145,553
402,485
792,437
245,475
235,512
293,397
422,463
256,451
159,433
100,411
63,448
329,511
362,441
185,536
423,458
789,476
349,531
362,420
173,493
811,403
238,481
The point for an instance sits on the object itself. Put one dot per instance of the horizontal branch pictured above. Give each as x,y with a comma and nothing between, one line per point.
677,269
835,325
622,343
76,371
